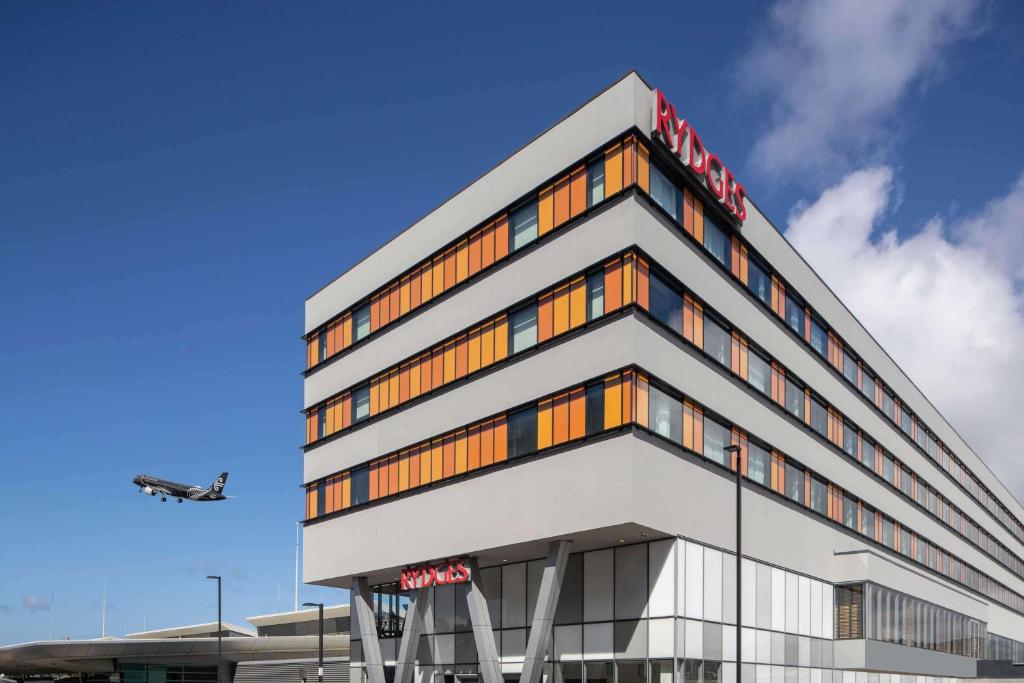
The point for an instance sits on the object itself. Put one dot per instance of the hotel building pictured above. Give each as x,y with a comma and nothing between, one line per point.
525,414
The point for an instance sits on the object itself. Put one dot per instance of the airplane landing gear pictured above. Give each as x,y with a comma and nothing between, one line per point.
162,499
179,500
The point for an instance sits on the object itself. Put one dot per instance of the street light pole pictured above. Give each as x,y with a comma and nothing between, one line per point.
220,630
735,451
320,665
298,529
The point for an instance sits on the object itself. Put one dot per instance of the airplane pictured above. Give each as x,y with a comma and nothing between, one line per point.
152,486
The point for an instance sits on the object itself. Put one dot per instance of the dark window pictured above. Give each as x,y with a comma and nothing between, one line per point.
717,342
758,464
888,532
868,388
716,438
867,454
905,421
717,242
595,295
595,182
819,338
665,415
867,521
321,422
321,344
819,496
759,373
819,417
522,432
888,468
361,403
361,323
666,304
905,481
759,282
904,541
794,398
849,612
850,440
321,498
795,315
850,368
665,194
360,486
522,225
889,405
523,328
849,511
794,482
595,408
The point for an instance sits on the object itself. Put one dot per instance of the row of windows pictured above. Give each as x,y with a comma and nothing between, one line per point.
736,257
620,166
569,305
677,309
620,399
558,419
866,610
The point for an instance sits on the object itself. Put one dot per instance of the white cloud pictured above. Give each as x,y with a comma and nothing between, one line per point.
35,603
946,302
836,71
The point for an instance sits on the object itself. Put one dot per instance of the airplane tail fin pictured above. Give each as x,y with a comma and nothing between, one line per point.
218,485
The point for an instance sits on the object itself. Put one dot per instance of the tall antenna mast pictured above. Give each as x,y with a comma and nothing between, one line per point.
51,616
103,622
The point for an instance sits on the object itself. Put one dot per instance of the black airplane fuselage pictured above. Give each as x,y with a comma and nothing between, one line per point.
172,489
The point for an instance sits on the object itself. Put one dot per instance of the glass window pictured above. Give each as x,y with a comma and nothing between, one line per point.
523,225
850,440
717,342
888,468
758,464
595,182
849,511
905,421
361,403
321,422
691,671
360,485
867,454
665,194
819,496
522,432
595,295
712,671
819,338
888,404
717,242
819,417
666,304
869,386
888,532
795,315
794,482
849,367
716,438
595,408
794,398
321,344
665,415
361,323
759,373
631,672
524,328
867,521
904,541
759,282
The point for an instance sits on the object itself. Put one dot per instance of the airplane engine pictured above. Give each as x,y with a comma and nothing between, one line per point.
149,490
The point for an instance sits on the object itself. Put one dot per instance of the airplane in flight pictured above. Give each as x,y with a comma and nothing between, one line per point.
201,494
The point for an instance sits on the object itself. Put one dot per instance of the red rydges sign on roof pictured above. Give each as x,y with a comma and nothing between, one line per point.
680,137
421,576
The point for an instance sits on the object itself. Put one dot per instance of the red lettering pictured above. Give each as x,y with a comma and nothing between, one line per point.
665,115
715,176
463,572
696,146
740,210
426,575
729,185
407,584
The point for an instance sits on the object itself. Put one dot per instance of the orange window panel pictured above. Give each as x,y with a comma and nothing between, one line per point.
346,410
643,284
744,358
436,460
437,275
405,295
413,455
346,331
561,201
394,296
643,168
560,419
612,285
448,455
744,264
807,325
329,426
310,427
424,365
578,191
374,396
687,211
629,162
545,317
311,501
426,282
778,384
449,269
474,253
698,220
393,475
414,379
461,356
642,401
345,491
500,439
501,338
612,401
577,302
375,313
501,238
486,444
577,413
461,452
473,362
331,350
473,448
735,256
486,345
404,393
393,388
311,348
628,383
437,367
546,210
403,471
374,480
561,311
449,363
628,276
415,289
544,424
462,261
385,309
424,464
487,246
612,170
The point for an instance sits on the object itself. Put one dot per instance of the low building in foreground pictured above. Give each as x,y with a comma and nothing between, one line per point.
524,416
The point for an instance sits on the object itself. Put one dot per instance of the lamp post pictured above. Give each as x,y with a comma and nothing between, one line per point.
220,629
320,663
735,451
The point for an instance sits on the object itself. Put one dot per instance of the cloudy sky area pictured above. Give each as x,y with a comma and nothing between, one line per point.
944,298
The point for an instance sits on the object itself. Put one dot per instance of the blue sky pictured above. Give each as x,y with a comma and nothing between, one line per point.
176,178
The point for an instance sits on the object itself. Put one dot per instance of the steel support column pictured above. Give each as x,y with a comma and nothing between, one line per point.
544,611
367,621
483,635
411,632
